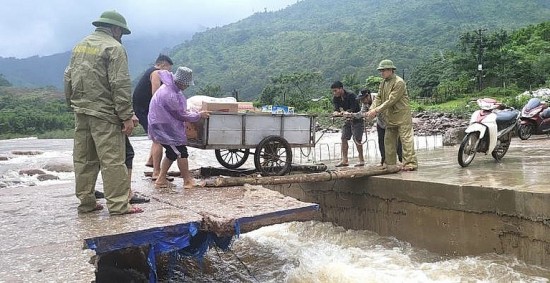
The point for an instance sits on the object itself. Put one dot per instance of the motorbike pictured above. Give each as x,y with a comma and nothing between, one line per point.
534,119
490,130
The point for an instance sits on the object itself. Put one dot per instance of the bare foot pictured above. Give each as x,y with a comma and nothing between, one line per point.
193,184
132,210
163,185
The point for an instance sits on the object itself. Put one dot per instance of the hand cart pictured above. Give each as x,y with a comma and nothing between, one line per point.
271,136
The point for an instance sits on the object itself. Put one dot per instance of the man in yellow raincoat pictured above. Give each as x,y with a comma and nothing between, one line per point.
393,102
98,89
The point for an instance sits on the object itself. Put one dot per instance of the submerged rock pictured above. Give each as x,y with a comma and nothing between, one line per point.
31,172
27,152
46,177
59,166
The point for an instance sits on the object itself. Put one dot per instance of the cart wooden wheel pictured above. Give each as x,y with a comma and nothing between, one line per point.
232,158
273,156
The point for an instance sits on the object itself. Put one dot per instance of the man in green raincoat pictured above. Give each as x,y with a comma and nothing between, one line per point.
98,89
393,102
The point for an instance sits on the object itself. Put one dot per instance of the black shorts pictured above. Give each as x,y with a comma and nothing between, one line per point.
174,152
129,154
353,128
142,116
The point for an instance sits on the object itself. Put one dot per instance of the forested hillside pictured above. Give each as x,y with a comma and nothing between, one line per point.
30,112
290,57
510,61
338,38
331,38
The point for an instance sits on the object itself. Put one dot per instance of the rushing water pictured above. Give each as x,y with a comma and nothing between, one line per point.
291,252
322,252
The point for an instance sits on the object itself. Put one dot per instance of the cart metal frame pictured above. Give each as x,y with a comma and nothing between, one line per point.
272,136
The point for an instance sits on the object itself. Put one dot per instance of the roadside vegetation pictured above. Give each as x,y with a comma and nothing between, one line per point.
511,63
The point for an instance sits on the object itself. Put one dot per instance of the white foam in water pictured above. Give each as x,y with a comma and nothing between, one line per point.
328,253
9,169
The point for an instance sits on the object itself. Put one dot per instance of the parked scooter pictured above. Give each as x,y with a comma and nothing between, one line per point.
490,130
534,119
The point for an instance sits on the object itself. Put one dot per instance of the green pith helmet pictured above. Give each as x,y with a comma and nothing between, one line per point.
113,18
386,64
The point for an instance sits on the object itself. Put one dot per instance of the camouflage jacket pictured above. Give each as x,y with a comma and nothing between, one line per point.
97,81
392,101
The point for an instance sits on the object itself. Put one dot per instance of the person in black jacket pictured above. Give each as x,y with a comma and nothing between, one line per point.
367,98
146,87
346,104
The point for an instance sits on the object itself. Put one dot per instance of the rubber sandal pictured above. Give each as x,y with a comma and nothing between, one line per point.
134,210
99,195
149,165
359,165
341,164
382,167
137,199
98,207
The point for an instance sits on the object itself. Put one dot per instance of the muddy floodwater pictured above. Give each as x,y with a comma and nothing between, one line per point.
291,252
322,252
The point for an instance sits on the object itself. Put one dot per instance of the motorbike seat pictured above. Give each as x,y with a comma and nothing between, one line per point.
532,103
506,118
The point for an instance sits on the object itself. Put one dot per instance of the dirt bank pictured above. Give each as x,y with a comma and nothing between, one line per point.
427,124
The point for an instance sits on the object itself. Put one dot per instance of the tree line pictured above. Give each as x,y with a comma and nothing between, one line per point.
510,63
28,112
515,62
307,37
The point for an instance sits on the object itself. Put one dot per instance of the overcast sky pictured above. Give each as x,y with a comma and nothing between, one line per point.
45,27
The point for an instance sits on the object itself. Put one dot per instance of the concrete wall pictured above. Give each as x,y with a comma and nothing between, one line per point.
442,218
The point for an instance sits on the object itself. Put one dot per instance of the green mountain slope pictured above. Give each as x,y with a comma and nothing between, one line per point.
342,37
333,37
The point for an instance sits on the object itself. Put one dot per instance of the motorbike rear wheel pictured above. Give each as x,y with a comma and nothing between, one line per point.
524,131
501,148
468,148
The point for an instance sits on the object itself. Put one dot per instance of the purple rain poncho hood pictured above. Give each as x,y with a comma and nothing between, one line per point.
168,113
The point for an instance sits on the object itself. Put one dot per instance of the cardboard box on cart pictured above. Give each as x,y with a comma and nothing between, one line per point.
220,106
191,131
245,107
191,128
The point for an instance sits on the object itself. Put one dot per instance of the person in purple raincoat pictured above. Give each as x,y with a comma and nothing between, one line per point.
167,115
